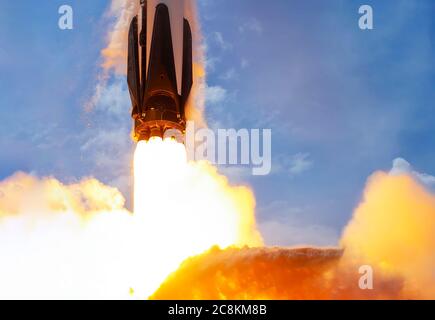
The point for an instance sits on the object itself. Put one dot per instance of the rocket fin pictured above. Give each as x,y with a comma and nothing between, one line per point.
143,47
187,65
161,70
133,67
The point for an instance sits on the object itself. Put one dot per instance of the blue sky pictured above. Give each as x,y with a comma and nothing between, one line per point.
341,102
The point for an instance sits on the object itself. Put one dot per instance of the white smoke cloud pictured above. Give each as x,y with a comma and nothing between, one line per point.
112,98
401,166
215,94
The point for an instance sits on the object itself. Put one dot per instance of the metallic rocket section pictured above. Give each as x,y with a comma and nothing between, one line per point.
156,104
133,67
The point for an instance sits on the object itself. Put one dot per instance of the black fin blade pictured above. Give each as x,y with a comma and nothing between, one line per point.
143,46
187,65
133,66
161,70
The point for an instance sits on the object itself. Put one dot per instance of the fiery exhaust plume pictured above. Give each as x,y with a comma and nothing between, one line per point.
78,240
185,208
392,231
258,273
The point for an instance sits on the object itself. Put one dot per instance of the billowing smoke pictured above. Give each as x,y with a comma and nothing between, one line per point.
62,241
253,273
78,240
388,246
393,229
115,53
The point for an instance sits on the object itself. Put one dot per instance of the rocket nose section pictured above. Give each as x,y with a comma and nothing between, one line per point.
161,70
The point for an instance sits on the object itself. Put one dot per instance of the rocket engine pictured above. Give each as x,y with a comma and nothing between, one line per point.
159,73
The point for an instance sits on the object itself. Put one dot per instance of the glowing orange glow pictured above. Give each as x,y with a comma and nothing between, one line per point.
392,232
185,208
393,229
78,240
259,273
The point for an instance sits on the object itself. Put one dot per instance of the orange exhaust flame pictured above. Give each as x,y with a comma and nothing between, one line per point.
392,231
273,274
186,208
78,241
261,273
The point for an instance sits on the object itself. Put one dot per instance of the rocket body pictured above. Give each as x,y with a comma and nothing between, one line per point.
159,72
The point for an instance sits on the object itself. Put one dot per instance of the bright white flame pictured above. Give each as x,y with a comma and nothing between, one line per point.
185,208
78,241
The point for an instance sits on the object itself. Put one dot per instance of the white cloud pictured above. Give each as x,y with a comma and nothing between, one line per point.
277,233
229,74
252,25
112,98
244,63
220,41
111,152
401,166
215,94
210,63
103,137
236,174
293,165
291,228
299,163
108,144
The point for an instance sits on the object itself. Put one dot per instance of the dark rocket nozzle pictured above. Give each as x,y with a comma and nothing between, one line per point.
158,103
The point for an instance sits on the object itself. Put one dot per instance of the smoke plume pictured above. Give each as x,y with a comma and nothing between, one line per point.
78,241
392,233
393,229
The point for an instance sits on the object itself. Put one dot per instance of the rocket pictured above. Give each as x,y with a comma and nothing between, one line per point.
159,68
